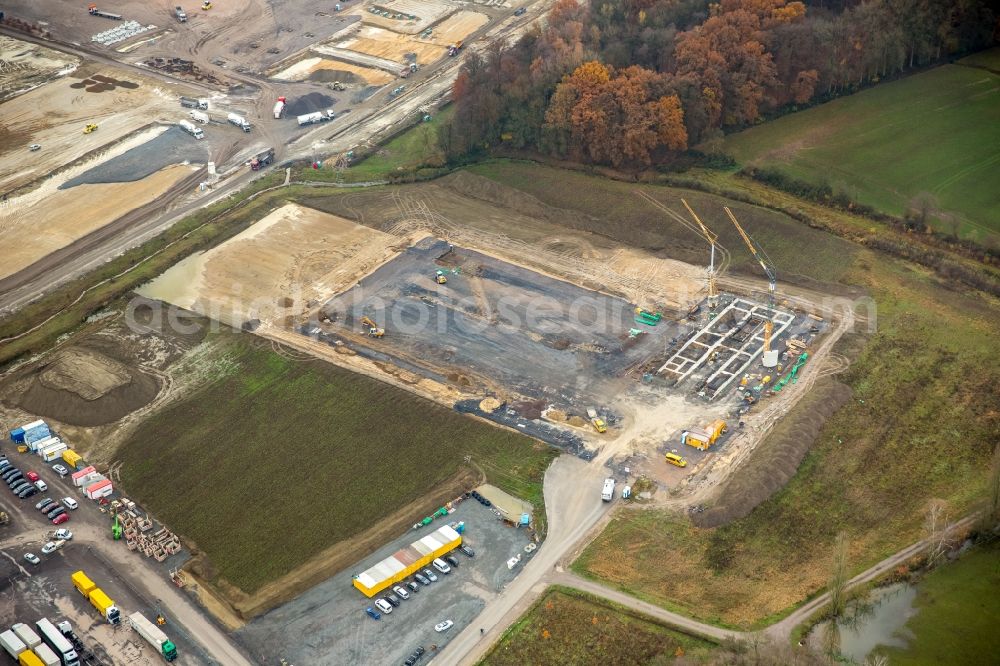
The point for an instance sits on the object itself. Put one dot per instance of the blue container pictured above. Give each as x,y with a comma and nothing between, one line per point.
17,435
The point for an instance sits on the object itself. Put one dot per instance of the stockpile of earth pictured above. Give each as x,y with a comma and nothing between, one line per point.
314,101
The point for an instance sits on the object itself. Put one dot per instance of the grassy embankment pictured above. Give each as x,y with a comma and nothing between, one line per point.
566,626
935,133
958,611
279,459
920,425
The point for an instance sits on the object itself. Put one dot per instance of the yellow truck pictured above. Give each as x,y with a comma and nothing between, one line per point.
97,597
82,583
596,421
29,658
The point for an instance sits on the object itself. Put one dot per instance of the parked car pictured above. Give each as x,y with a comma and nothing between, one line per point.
422,579
443,626
373,614
410,661
63,534
441,565
58,511
50,547
69,502
19,486
519,11
60,470
393,599
15,479
60,519
44,503
41,485
31,557
467,550
431,576
419,651
8,472
450,559
413,586
28,492
676,460
383,606
401,593
32,476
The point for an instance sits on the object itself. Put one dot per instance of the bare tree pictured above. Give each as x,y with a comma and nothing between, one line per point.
936,530
838,577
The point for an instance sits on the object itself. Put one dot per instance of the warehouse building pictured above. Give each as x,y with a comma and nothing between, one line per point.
407,561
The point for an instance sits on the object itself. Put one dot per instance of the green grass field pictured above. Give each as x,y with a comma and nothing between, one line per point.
936,133
280,459
566,626
958,614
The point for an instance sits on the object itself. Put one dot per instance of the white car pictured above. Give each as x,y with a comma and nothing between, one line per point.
401,593
69,503
383,606
41,485
443,626
60,470
441,565
33,147
63,533
31,557
50,547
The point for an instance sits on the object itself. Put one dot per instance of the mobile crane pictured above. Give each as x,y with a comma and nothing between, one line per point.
768,267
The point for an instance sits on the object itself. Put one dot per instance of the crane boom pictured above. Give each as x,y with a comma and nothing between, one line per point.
768,270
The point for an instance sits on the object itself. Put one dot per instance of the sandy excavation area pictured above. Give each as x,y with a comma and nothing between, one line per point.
332,70
58,218
383,43
54,116
26,65
425,13
291,257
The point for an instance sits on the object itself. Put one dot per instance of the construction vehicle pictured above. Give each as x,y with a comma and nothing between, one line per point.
675,460
199,116
90,128
440,277
646,317
35,146
453,49
608,491
181,16
192,103
770,357
596,421
239,121
279,108
206,5
4,518
337,85
373,330
94,11
192,129
262,159
153,635
98,599
116,529
315,117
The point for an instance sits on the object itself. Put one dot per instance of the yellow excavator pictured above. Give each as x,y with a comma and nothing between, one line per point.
206,5
373,330
90,128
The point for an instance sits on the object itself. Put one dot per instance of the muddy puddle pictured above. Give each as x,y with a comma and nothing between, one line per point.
877,620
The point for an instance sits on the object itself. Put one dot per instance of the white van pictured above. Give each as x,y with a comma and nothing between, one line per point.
441,565
383,606
69,503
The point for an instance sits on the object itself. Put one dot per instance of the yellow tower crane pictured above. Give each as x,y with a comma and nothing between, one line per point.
701,230
765,263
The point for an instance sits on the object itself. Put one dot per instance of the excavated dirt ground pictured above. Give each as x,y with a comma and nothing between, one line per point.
24,65
317,68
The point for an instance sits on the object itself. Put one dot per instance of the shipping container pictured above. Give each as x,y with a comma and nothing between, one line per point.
79,476
12,644
407,561
17,435
53,452
47,655
82,583
71,458
40,444
99,489
25,633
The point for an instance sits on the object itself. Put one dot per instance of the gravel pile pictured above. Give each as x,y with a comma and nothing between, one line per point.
172,147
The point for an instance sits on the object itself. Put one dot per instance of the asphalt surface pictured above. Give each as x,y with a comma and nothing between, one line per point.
328,625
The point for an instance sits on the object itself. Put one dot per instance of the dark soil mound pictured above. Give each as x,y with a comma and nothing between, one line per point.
308,103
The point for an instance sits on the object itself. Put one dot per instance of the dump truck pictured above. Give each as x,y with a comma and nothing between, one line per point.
596,421
372,328
192,129
104,605
261,160
198,116
192,103
12,644
316,117
608,493
153,635
181,16
239,121
94,11
279,108
453,49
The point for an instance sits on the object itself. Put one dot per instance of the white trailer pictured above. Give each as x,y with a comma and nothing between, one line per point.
609,490
239,121
54,452
40,444
153,635
316,117
199,116
59,643
191,129
12,644
48,657
27,636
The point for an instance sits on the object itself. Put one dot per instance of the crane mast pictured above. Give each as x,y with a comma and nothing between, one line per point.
713,294
765,264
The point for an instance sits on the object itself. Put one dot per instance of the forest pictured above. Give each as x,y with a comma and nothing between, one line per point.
632,83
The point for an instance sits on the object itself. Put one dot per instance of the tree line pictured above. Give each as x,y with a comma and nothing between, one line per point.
631,82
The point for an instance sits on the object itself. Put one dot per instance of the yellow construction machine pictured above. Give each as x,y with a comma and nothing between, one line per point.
206,5
373,330
90,128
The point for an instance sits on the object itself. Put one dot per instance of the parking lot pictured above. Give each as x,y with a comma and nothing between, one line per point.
29,592
329,624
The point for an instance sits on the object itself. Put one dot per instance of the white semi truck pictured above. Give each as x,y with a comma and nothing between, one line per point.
198,116
239,121
153,635
192,129
316,117
279,108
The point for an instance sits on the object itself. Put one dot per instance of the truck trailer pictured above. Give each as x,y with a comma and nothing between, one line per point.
192,103
239,121
153,635
316,117
56,643
192,129
12,644
27,636
29,658
198,116
47,656
279,108
94,11
608,493
261,160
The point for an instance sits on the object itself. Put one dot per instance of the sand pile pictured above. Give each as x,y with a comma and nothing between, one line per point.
489,404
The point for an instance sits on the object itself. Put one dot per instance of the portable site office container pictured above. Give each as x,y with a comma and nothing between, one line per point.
79,477
100,489
53,452
39,444
407,561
